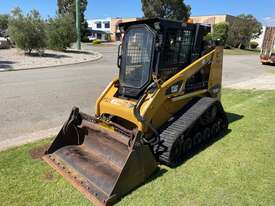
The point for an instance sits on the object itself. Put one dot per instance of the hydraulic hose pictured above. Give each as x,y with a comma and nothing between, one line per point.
140,118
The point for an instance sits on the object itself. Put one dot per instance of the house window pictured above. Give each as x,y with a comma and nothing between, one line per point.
107,25
98,25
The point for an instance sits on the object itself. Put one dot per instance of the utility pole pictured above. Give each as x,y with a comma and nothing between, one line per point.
77,20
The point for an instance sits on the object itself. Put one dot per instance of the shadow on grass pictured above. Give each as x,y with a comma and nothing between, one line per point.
232,117
78,52
158,173
58,56
48,55
198,149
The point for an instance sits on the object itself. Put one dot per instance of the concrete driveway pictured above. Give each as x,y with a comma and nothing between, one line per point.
35,103
247,72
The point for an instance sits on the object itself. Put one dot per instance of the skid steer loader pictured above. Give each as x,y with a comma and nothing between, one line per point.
165,102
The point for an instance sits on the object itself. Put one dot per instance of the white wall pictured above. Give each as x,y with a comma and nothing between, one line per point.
92,24
261,38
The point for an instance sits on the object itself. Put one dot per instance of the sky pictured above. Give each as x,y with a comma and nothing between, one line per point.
264,10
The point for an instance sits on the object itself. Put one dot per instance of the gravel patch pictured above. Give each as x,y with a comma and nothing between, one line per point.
13,59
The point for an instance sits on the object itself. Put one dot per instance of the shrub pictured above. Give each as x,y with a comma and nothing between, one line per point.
28,32
253,45
96,42
85,39
208,37
61,32
220,32
4,20
226,46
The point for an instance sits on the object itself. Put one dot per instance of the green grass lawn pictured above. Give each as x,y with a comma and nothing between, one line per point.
239,169
241,52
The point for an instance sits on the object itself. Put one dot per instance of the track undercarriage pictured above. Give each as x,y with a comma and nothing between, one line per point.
203,121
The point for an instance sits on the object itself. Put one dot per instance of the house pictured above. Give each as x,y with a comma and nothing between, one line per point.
260,39
106,29
99,29
213,19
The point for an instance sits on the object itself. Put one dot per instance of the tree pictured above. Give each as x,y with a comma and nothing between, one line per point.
170,9
253,45
60,33
4,19
68,7
242,30
220,32
28,32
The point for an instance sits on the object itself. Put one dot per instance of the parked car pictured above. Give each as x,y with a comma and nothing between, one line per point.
4,43
91,38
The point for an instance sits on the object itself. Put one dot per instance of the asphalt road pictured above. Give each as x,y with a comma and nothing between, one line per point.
36,100
247,72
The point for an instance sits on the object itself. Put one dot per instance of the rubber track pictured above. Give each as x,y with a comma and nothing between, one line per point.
183,124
